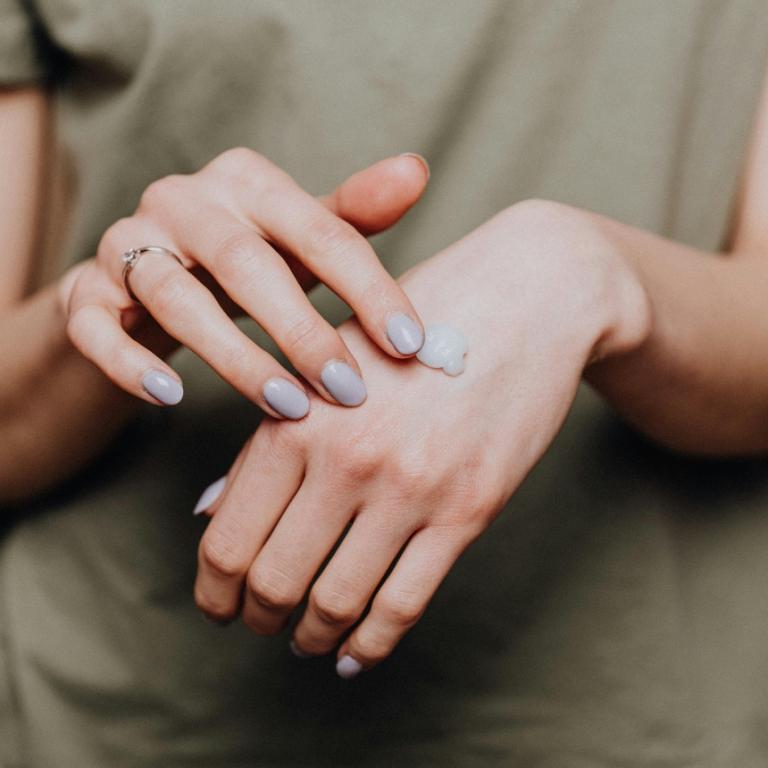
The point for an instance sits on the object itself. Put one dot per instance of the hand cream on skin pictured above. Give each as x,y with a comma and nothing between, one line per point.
444,347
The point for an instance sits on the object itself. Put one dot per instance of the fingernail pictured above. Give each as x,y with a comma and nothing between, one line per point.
405,334
286,398
421,159
162,387
297,652
347,667
210,495
343,383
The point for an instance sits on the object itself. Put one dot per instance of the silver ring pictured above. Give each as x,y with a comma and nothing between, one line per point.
131,258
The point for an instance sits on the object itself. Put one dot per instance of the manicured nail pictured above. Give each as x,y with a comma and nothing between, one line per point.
286,398
210,495
405,334
162,387
347,667
343,383
297,652
420,158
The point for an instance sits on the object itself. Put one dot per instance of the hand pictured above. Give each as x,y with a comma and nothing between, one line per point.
231,224
425,465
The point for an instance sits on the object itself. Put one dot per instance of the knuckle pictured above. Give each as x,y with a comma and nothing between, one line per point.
117,238
220,554
534,209
235,257
302,332
238,161
79,325
333,607
372,650
330,236
271,588
411,474
359,459
401,608
234,356
165,293
162,193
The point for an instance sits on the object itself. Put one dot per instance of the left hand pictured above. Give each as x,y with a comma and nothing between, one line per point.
422,468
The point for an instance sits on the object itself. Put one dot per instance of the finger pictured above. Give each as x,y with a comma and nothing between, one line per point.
341,593
215,493
402,598
282,571
188,311
337,254
377,197
96,331
372,200
95,328
255,497
257,278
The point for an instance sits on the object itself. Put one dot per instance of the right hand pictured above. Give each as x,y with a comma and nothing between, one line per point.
250,240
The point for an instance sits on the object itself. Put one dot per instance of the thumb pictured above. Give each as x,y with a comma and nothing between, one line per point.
372,200
377,197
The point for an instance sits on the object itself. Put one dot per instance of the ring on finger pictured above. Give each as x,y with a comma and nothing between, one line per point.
131,258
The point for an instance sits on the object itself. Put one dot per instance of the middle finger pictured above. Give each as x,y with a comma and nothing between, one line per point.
259,280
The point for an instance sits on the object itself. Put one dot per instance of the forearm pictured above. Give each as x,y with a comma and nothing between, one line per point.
56,410
699,382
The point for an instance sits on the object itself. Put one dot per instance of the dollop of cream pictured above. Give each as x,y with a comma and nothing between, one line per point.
444,347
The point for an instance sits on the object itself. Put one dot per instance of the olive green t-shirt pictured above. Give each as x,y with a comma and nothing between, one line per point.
617,613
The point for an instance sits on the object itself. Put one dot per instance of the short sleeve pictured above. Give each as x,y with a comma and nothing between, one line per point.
21,51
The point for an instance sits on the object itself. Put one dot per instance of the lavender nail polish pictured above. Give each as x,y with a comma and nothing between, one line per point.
286,398
405,334
343,383
347,667
162,387
210,495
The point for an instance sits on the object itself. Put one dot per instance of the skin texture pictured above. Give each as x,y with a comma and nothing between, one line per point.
675,338
637,320
230,225
395,469
58,410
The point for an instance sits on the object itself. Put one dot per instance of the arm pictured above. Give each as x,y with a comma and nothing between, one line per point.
699,382
51,399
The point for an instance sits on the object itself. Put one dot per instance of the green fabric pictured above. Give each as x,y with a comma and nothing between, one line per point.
617,614
21,58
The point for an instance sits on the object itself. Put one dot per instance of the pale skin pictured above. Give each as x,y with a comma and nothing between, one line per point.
675,338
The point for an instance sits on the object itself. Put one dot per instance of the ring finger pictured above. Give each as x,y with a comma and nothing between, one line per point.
190,313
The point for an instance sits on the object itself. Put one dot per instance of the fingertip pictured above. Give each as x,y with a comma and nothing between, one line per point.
422,162
376,197
343,383
165,389
286,399
348,667
210,496
405,334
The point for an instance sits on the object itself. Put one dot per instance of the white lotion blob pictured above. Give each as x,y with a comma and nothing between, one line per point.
444,347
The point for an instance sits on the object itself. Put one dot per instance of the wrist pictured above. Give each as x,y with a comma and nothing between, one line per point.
542,272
